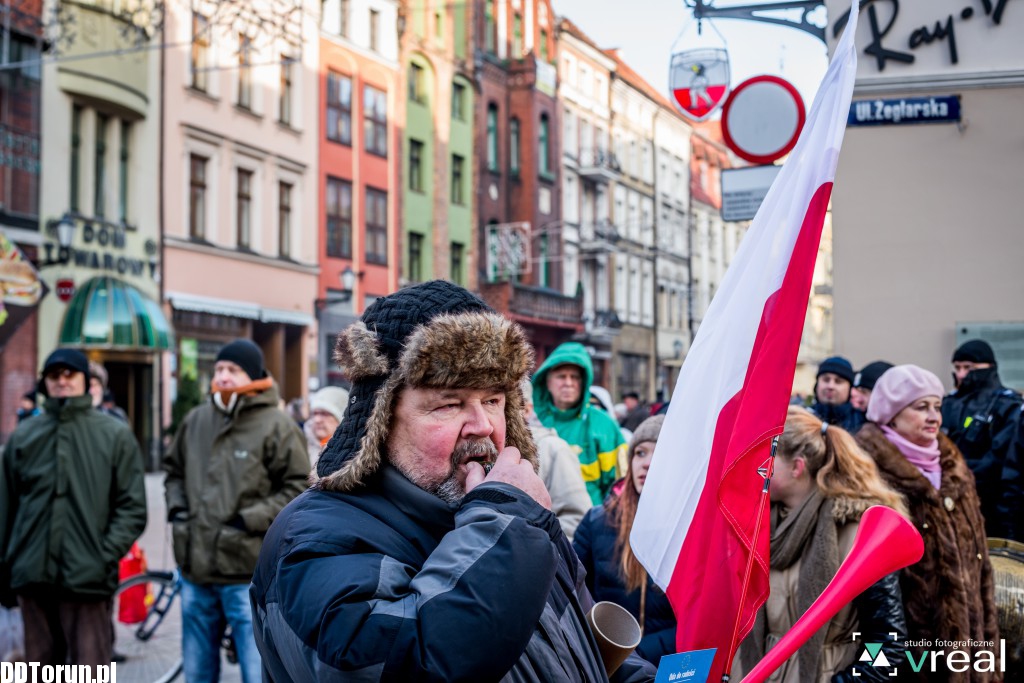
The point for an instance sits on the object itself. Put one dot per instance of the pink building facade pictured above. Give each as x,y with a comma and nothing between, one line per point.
239,188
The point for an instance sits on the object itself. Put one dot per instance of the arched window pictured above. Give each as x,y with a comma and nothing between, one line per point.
492,137
513,152
544,145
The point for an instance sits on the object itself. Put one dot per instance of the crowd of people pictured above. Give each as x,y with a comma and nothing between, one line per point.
449,516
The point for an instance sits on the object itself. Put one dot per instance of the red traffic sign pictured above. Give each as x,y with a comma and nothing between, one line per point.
65,289
762,119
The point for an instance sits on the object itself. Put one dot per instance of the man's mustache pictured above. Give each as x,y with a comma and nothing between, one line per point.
472,450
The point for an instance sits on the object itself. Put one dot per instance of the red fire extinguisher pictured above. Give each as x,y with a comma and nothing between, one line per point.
133,603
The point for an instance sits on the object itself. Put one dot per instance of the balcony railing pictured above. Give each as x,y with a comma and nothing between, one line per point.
537,303
598,165
599,237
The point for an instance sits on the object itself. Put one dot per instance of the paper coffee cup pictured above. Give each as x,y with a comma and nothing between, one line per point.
616,631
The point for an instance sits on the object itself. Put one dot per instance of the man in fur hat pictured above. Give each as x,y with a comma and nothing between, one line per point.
427,549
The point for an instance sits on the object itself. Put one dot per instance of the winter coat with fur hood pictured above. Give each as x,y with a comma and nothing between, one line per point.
949,593
368,577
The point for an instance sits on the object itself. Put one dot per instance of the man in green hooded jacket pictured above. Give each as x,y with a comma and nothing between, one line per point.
561,390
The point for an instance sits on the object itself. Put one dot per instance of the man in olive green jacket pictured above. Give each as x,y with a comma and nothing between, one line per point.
72,501
235,462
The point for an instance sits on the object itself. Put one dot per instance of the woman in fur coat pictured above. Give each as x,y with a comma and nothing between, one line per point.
821,485
948,595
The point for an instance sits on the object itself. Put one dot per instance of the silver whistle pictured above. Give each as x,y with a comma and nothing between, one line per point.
488,466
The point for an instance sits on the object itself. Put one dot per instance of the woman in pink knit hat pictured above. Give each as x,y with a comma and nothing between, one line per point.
948,595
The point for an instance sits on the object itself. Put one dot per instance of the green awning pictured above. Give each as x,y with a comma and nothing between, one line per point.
111,314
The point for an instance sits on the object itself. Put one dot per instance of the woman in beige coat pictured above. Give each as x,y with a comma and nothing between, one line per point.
822,484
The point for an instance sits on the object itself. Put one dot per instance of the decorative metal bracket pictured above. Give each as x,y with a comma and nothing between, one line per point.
704,10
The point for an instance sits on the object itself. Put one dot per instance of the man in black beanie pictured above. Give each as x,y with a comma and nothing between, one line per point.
983,418
235,462
72,502
832,395
864,383
427,549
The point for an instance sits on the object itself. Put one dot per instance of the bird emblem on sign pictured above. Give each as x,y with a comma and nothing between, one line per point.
699,81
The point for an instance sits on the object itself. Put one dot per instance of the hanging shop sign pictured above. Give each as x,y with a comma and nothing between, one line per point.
103,246
762,119
20,289
904,110
699,80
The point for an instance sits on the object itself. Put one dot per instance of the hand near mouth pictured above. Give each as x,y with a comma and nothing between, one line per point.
510,468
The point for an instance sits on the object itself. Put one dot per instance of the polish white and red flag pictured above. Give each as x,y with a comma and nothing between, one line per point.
694,529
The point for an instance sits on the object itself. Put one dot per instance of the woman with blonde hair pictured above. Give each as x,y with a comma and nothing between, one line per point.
821,485
949,594
613,572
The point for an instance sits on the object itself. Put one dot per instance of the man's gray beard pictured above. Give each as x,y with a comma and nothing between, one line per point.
451,490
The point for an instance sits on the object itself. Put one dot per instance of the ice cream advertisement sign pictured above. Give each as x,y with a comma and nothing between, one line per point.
20,289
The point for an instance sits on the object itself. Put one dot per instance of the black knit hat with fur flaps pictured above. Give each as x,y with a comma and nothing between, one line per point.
435,335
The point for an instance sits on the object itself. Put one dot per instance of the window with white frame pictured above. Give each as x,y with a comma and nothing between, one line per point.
284,218
569,141
244,71
374,30
99,207
243,207
199,62
197,196
286,90
124,171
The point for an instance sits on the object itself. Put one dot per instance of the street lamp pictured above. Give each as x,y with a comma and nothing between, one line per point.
64,230
347,278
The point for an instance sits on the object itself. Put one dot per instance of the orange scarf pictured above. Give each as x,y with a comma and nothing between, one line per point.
226,398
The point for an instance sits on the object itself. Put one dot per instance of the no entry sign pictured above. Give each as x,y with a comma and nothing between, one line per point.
762,119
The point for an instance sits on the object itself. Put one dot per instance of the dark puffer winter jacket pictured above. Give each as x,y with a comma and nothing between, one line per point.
390,583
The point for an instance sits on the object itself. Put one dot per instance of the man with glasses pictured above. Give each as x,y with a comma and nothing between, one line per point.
72,501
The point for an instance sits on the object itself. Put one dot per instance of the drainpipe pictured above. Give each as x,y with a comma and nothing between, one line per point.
161,222
654,246
689,268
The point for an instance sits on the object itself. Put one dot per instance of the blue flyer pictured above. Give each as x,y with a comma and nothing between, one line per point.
686,667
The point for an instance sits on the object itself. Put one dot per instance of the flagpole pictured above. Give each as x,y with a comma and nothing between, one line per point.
765,472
